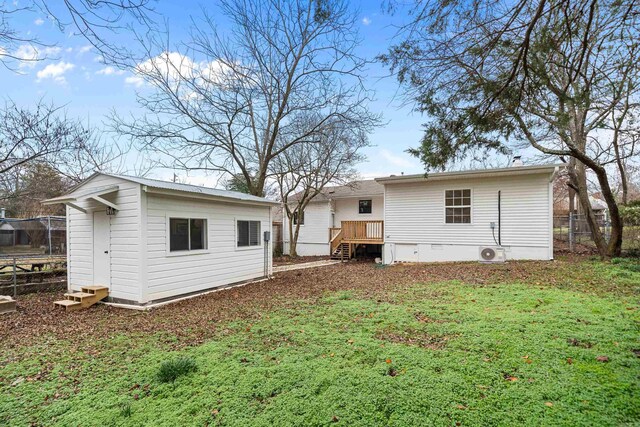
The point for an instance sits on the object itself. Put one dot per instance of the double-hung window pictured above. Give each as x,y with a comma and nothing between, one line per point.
457,208
187,234
248,233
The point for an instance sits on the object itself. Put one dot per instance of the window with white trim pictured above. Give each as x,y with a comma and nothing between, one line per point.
187,234
457,206
248,233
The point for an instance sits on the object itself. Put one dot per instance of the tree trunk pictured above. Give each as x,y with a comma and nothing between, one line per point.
293,238
578,178
614,248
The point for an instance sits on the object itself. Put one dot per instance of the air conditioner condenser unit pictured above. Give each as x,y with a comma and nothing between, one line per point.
490,254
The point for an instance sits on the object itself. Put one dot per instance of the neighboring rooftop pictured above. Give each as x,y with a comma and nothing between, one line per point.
362,188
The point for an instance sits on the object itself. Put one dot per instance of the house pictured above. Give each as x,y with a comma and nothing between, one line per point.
44,231
448,216
151,241
337,210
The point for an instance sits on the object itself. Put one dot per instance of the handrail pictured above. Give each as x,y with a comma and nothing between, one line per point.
336,240
363,230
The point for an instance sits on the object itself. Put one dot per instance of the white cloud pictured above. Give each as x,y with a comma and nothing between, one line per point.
396,160
136,81
175,67
85,49
29,55
39,21
109,70
55,72
366,20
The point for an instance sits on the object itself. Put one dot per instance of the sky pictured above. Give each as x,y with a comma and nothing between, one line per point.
75,77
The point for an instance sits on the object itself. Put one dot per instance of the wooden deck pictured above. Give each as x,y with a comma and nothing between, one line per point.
344,240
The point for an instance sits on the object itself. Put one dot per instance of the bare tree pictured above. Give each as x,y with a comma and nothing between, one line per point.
230,103
327,157
45,135
560,76
95,20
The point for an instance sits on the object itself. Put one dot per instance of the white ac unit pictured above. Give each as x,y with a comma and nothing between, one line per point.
492,254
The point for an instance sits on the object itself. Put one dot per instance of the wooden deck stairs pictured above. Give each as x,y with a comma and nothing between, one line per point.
344,240
88,296
342,252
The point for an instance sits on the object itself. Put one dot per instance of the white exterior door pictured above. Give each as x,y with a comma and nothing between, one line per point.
101,248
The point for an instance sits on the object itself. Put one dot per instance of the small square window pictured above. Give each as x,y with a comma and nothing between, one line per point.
187,234
364,206
248,233
298,216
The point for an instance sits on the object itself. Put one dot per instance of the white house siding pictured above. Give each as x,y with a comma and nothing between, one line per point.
171,274
415,228
124,239
347,209
313,238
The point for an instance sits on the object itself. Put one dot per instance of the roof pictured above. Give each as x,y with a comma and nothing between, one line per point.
363,188
477,173
37,223
177,187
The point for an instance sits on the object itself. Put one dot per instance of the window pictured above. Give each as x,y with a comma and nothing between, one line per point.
248,233
187,234
298,216
457,206
364,206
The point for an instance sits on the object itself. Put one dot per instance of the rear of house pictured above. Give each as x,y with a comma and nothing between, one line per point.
453,216
338,209
450,216
149,240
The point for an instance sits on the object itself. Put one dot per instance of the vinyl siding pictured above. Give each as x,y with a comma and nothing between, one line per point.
172,273
347,209
124,239
313,238
414,215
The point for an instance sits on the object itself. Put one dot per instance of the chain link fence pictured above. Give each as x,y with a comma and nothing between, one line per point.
32,254
574,233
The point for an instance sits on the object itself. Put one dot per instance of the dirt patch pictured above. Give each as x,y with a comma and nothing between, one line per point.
287,260
423,318
415,338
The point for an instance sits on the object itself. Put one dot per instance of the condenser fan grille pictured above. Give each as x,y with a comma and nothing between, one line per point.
488,254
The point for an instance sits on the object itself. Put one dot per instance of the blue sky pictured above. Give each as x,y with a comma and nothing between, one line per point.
75,77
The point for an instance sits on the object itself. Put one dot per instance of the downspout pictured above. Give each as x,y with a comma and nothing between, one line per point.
499,218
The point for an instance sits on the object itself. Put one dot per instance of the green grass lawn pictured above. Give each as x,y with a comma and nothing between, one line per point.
443,354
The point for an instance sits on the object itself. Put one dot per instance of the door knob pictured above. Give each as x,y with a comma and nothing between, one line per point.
106,252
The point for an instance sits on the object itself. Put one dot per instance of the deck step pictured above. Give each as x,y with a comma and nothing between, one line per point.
79,295
68,304
93,288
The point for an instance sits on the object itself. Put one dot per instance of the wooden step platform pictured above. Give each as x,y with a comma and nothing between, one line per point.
88,296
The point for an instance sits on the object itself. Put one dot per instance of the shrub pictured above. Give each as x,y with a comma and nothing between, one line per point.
170,370
630,215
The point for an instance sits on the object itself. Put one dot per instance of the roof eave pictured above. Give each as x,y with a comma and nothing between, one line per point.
441,176
195,195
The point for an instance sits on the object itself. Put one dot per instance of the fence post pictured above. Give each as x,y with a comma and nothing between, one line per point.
49,232
15,279
571,237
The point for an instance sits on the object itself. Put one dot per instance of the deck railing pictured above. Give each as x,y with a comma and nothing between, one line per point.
363,231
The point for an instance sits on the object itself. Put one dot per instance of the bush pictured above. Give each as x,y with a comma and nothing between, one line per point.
171,370
630,215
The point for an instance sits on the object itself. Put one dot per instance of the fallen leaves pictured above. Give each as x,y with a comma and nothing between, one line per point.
549,404
603,359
